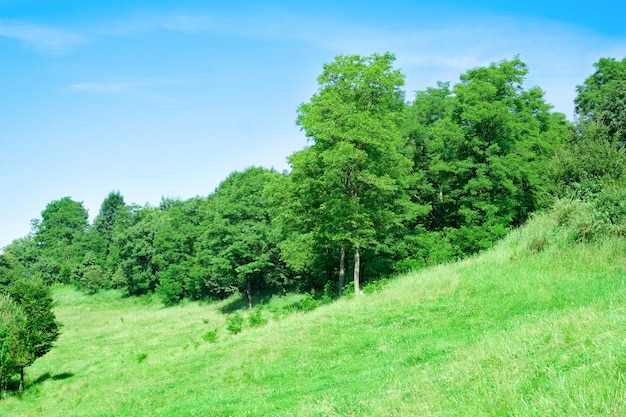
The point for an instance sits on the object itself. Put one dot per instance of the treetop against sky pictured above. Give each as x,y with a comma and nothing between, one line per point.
166,98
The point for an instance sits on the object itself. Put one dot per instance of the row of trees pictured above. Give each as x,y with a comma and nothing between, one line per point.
384,186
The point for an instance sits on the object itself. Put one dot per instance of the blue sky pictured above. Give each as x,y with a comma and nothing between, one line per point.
166,98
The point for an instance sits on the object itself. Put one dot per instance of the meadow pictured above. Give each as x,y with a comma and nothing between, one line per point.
535,326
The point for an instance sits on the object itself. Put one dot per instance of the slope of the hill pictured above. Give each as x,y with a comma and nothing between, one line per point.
534,327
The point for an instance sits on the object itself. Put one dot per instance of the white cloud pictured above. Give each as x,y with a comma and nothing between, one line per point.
177,22
559,55
104,87
42,38
150,89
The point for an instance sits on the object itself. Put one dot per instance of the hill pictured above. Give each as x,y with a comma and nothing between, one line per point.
533,327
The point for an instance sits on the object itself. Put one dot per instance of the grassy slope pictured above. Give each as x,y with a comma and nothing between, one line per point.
508,333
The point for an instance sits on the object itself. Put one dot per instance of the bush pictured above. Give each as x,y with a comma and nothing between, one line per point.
210,336
234,323
375,286
610,204
93,279
308,303
256,318
170,291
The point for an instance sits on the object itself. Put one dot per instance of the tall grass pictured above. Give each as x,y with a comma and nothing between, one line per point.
534,327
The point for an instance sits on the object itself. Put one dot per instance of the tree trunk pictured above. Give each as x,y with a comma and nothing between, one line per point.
342,270
21,389
249,291
357,271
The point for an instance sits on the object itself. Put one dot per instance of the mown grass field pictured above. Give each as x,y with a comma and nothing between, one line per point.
534,327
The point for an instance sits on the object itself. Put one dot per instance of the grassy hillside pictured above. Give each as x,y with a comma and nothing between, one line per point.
534,327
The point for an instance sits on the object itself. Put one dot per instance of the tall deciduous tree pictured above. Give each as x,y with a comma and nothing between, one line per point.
350,180
60,236
602,98
483,145
62,221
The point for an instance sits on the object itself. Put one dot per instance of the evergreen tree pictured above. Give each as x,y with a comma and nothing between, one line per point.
42,329
14,354
113,215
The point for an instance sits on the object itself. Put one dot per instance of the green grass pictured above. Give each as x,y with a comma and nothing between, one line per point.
534,327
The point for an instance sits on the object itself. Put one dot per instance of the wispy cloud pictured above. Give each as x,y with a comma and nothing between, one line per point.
105,87
151,89
559,56
42,38
148,22
262,24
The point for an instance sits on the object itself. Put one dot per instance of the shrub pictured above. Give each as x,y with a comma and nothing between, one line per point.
234,323
210,336
256,318
169,290
308,303
375,286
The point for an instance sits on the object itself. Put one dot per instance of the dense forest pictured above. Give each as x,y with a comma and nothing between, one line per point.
386,185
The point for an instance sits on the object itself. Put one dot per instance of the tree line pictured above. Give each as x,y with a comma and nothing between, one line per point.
385,185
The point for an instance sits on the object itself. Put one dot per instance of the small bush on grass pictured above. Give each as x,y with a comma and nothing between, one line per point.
256,319
375,286
234,323
210,336
308,303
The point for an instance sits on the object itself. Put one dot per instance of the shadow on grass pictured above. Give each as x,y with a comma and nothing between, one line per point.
58,377
241,302
62,376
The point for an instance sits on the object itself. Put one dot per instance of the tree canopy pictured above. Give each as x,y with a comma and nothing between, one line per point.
350,180
602,98
389,183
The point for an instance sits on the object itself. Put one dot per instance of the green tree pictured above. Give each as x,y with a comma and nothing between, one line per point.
301,243
588,164
60,236
21,257
175,250
113,215
602,98
137,272
351,180
63,221
89,276
239,247
14,353
42,329
10,270
484,147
